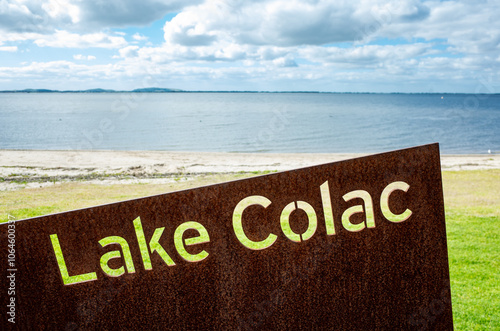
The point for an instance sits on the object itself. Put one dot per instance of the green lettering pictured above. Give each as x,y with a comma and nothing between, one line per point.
154,245
368,209
327,208
127,256
384,202
180,243
285,221
238,226
107,269
67,279
143,247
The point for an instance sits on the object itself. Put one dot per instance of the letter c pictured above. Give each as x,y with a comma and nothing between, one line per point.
238,226
384,202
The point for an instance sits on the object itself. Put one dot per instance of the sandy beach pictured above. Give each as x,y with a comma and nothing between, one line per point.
22,169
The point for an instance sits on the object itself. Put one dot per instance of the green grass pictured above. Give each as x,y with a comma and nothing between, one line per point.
27,203
472,204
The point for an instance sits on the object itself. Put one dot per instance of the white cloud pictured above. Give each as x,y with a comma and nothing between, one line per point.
285,22
362,56
8,49
286,62
470,27
62,8
218,52
77,15
417,75
139,37
119,13
19,37
129,51
16,16
60,23
65,39
320,44
84,57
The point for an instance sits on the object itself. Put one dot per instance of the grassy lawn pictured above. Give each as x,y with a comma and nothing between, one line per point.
472,202
28,203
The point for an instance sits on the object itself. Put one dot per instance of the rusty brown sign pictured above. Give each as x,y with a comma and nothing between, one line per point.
351,245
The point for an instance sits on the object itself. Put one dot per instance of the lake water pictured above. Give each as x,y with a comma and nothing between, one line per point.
250,122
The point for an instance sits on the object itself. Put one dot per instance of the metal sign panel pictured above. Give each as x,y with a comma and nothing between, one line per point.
357,244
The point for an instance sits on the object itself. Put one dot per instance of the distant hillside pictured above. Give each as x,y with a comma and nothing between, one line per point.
156,90
30,91
96,90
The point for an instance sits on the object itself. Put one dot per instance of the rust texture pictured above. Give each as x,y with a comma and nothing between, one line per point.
391,276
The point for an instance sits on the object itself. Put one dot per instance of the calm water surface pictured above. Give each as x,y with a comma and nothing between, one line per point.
250,122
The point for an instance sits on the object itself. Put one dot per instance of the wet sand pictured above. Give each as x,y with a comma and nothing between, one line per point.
20,169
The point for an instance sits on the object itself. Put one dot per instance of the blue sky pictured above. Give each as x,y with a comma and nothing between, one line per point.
264,45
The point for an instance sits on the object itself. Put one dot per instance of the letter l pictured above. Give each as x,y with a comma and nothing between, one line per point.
67,279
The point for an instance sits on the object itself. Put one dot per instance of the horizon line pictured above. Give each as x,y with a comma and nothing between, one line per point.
173,90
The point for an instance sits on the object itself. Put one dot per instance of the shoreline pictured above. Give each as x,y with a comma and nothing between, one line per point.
36,168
